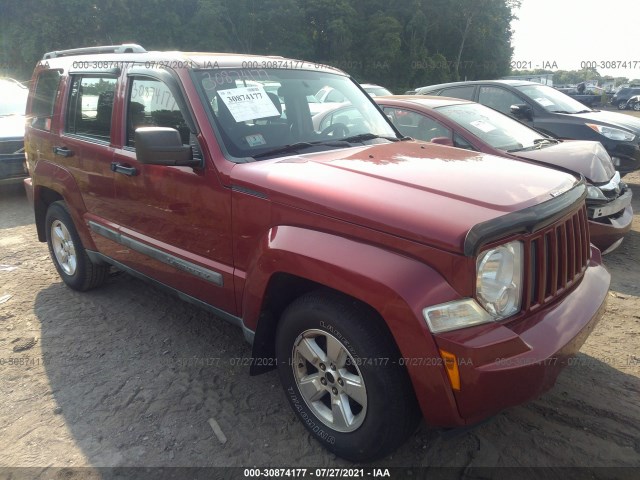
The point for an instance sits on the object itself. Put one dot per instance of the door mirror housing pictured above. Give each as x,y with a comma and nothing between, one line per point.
163,146
522,111
442,141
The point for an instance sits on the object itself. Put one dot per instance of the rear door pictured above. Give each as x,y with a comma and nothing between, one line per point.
85,146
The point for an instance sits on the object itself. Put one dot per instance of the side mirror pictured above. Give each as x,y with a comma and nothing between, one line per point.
442,141
522,110
163,146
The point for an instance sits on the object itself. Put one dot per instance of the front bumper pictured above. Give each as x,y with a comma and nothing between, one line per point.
609,231
505,364
609,222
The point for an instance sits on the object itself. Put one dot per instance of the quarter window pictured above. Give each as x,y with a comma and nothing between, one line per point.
465,93
90,106
461,142
44,99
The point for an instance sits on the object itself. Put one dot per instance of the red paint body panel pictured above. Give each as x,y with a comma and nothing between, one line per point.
429,195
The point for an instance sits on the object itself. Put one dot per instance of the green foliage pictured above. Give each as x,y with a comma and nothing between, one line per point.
573,77
400,44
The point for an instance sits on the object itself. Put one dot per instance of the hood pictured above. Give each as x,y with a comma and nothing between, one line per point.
612,118
590,159
12,126
427,193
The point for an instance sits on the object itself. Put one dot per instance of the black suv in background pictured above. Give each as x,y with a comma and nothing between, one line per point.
13,101
554,113
622,96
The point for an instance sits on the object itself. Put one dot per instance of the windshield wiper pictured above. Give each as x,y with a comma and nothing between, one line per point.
295,147
570,113
537,144
542,141
363,137
338,143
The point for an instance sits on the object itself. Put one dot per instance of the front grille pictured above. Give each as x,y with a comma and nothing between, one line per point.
556,258
11,146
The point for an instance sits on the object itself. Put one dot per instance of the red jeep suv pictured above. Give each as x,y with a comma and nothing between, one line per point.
386,279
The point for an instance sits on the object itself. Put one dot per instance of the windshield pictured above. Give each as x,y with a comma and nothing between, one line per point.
552,100
492,127
257,112
13,99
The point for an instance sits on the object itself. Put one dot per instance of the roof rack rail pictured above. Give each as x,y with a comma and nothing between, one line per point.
124,48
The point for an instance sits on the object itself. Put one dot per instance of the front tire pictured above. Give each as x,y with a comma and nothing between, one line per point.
636,106
67,252
339,368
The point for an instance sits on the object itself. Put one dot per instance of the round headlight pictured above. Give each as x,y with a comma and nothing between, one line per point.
499,279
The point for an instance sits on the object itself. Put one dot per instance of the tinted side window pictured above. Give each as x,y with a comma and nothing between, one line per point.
90,106
44,99
465,93
415,125
498,99
151,104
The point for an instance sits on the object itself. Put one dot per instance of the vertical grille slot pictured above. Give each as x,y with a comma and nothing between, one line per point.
563,277
571,251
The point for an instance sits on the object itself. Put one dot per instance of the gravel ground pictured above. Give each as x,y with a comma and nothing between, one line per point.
129,376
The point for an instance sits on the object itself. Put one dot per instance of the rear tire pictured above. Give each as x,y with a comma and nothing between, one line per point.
339,368
622,105
67,252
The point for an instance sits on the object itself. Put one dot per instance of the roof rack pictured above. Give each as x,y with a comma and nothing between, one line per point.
124,48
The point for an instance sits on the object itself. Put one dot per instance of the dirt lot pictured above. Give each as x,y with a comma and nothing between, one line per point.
128,376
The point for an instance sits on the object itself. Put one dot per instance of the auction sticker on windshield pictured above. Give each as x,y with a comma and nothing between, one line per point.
545,102
248,103
482,125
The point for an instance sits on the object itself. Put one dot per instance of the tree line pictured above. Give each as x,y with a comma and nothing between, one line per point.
400,44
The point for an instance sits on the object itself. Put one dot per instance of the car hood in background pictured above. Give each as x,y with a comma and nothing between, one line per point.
587,158
612,118
12,126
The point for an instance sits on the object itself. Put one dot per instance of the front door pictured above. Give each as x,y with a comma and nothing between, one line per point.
174,222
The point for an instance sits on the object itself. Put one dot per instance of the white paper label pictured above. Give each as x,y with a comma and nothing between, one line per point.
248,103
482,125
545,102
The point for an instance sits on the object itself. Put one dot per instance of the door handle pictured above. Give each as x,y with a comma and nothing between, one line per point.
62,151
124,169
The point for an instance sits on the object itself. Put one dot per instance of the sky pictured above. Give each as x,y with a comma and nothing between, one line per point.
575,33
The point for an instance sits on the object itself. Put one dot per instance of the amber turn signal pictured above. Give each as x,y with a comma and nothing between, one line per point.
451,366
